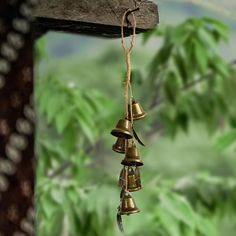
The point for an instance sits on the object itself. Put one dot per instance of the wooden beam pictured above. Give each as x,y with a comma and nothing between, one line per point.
98,18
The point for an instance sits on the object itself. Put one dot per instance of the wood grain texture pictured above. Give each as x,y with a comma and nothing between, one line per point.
99,18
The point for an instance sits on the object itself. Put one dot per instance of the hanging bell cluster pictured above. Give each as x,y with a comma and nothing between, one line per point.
130,177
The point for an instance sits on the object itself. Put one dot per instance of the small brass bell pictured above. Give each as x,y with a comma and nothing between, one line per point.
132,157
123,129
121,145
137,111
133,183
128,205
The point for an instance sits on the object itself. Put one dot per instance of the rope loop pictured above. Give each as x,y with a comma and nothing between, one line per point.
127,52
132,42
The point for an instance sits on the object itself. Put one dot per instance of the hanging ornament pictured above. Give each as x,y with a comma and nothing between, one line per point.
132,157
137,111
121,145
128,205
134,184
130,177
123,129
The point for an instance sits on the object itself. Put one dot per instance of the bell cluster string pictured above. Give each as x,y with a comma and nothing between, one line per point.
130,179
127,51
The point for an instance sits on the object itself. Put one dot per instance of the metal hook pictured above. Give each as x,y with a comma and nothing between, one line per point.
137,8
127,15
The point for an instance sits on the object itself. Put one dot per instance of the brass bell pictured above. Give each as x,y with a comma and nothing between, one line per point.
121,145
128,205
132,157
137,111
123,129
134,180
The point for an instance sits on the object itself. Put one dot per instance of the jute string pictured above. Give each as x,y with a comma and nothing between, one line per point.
127,86
126,179
127,52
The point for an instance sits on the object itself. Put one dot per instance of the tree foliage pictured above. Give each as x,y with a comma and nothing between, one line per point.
190,76
186,81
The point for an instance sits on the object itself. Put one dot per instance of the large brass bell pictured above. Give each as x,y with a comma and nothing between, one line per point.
137,111
121,145
128,205
132,157
123,129
134,180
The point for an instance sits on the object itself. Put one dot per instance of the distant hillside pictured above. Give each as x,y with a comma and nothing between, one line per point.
226,8
229,5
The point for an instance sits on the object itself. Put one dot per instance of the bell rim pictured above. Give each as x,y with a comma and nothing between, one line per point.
135,189
126,134
143,115
117,150
130,212
132,163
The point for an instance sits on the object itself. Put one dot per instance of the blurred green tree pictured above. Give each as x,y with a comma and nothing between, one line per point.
186,81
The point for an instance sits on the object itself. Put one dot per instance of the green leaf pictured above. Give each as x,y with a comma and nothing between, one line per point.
201,56
178,207
205,227
63,118
179,35
72,195
219,65
170,223
183,120
94,99
222,28
71,217
48,205
181,65
208,40
88,131
226,140
55,105
172,87
70,140
57,195
43,100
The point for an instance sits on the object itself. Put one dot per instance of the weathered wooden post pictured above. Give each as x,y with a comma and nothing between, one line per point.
17,163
